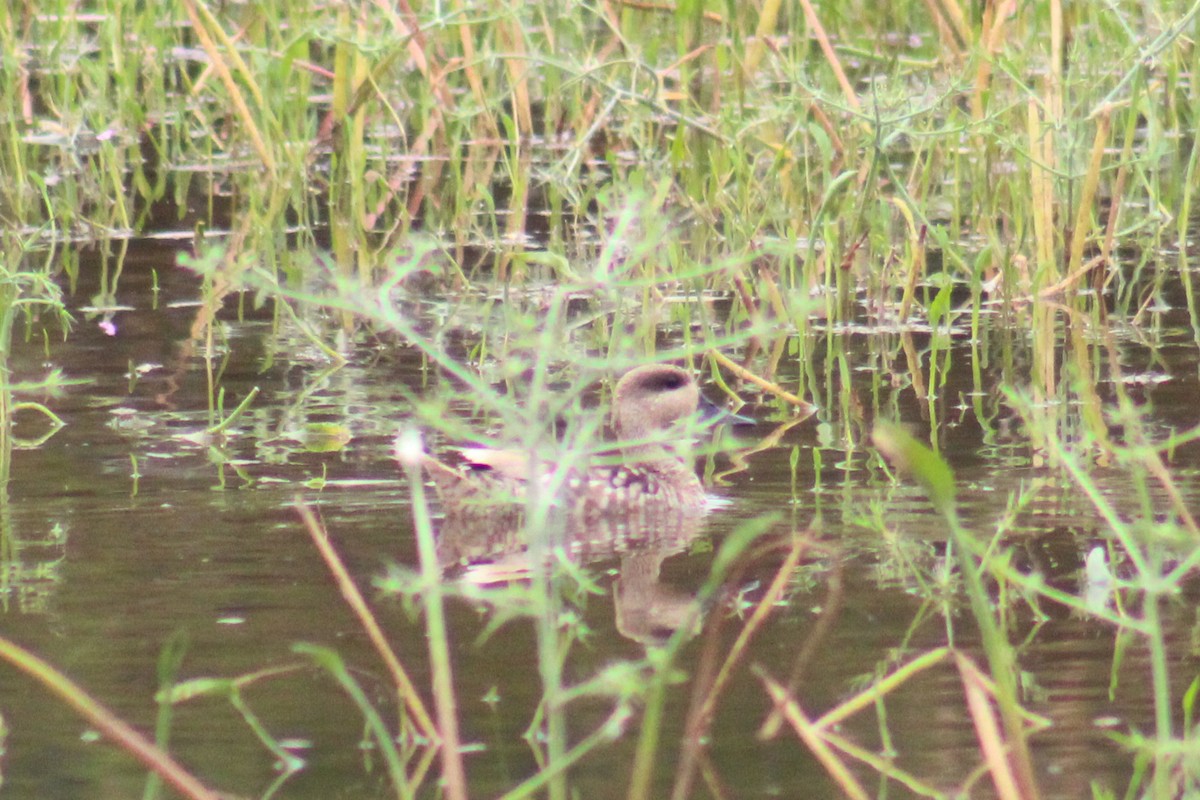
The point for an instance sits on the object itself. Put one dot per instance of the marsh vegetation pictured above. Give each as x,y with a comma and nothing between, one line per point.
939,253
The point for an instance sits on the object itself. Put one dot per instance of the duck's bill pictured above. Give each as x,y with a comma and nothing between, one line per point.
712,415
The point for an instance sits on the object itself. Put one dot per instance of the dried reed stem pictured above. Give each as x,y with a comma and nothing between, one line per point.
354,599
195,13
1087,195
109,724
814,22
745,374
812,738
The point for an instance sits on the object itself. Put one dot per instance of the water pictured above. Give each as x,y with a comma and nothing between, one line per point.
127,530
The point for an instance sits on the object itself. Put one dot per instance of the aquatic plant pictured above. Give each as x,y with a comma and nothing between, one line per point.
835,206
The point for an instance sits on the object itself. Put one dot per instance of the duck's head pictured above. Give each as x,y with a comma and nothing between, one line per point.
650,399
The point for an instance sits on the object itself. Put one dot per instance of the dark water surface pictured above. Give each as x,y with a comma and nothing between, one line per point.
104,568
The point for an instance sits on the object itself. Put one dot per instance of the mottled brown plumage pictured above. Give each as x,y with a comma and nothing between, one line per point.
651,473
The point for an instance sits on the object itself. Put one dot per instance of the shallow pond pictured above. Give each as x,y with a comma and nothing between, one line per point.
127,530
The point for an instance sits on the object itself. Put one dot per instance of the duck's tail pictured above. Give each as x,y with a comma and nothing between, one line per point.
445,477
409,452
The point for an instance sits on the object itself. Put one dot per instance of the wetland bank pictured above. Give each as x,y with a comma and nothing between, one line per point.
939,253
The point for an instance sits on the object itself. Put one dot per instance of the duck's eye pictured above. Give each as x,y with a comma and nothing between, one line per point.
666,383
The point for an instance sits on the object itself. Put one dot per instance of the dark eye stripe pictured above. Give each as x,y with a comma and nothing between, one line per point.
666,382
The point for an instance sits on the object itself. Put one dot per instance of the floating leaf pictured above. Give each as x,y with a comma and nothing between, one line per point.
325,437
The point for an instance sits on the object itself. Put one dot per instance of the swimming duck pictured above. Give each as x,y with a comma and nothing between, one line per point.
651,474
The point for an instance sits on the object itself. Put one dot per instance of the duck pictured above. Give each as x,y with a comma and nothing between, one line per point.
650,474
